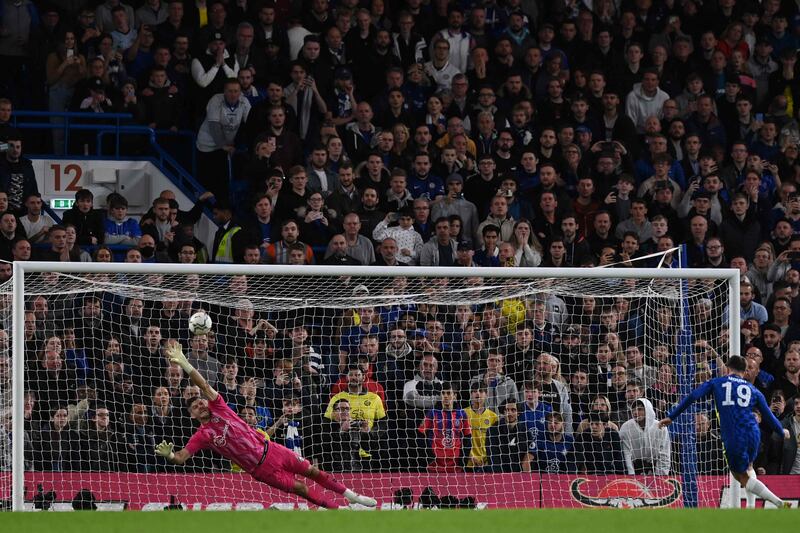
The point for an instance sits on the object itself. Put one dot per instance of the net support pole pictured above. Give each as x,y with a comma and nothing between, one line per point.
17,392
684,425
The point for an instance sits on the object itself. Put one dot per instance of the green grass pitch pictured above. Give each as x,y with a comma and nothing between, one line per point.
488,521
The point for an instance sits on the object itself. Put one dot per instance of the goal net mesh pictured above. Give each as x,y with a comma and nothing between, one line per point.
512,391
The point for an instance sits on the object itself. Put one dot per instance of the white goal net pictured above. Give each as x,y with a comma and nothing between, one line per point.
420,387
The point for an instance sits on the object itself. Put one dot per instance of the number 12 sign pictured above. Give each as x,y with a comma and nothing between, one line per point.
63,177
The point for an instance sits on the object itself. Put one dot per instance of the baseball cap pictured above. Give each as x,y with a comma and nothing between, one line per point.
572,331
464,245
455,178
216,36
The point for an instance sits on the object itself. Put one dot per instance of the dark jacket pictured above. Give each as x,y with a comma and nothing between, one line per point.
87,225
507,446
23,167
592,456
740,237
789,449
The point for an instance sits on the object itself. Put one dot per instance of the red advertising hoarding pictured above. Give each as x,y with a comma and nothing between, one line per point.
117,491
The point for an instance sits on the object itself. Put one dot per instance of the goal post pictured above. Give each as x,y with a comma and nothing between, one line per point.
500,302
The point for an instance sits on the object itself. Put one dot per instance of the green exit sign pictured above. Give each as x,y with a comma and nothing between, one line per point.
61,203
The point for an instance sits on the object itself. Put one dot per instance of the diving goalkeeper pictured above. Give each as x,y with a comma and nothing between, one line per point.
224,432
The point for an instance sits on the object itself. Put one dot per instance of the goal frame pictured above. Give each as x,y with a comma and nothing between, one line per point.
21,268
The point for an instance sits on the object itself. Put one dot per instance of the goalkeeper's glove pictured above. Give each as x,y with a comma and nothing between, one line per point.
165,450
175,353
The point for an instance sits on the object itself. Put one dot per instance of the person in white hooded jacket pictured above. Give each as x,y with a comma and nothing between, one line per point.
645,100
645,446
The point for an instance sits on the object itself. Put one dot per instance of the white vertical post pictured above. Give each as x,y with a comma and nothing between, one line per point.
17,392
734,348
735,343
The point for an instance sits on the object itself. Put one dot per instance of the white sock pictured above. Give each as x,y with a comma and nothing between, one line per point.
735,498
751,499
759,489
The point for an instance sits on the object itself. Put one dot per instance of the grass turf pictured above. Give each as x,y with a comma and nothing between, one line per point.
545,520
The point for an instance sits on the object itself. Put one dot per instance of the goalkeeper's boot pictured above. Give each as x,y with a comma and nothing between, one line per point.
366,501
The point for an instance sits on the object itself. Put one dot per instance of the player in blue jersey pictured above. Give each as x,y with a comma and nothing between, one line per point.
735,399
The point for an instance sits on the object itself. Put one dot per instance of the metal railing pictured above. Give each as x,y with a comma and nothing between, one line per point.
68,124
120,125
117,124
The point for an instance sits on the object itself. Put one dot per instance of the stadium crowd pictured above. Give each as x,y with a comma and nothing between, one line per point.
520,133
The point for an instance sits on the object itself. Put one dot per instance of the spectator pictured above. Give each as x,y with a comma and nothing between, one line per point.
481,420
278,252
645,100
200,357
789,380
533,412
423,391
508,443
345,198
404,235
17,177
226,112
317,223
598,451
53,449
441,250
359,247
710,460
499,387
120,228
51,381
787,459
346,443
387,253
88,221
553,446
101,448
645,445
448,433
140,440
321,178
228,240
288,429
161,100
213,66
338,247
553,391
10,232
637,368
35,224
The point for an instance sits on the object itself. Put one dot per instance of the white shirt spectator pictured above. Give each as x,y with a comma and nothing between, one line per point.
648,444
221,123
459,47
407,239
43,222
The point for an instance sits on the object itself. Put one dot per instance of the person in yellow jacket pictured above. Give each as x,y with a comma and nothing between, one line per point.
480,420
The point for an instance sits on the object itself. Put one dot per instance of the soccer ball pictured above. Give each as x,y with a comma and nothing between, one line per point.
200,323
